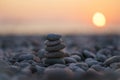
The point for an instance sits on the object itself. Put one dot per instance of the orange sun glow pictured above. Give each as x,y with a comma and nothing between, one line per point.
99,19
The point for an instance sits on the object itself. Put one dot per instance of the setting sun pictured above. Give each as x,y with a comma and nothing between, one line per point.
99,19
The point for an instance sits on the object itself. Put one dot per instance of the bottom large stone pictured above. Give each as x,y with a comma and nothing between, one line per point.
54,61
59,54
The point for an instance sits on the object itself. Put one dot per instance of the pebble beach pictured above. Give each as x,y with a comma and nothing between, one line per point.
60,57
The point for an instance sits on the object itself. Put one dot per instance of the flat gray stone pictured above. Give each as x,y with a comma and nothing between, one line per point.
76,57
82,65
88,54
55,48
53,37
70,60
101,57
112,60
115,65
52,43
54,54
98,68
91,61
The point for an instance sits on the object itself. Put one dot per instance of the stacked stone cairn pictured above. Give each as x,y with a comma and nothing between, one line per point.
54,50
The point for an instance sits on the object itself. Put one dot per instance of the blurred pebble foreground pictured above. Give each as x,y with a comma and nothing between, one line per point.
85,58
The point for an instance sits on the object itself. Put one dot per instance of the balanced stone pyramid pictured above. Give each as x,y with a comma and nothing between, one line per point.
54,47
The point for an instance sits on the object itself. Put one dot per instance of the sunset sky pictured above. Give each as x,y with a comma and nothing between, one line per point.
64,16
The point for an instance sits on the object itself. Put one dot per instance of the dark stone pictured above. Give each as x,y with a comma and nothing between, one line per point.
112,60
41,53
54,61
12,60
70,60
105,52
24,64
53,37
55,48
79,71
59,54
98,68
37,69
82,65
73,67
25,57
115,66
94,73
76,57
88,54
36,59
26,70
33,69
40,70
52,43
79,54
15,58
108,70
115,53
101,57
66,54
32,62
91,61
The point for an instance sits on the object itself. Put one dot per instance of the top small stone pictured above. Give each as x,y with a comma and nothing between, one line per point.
53,37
